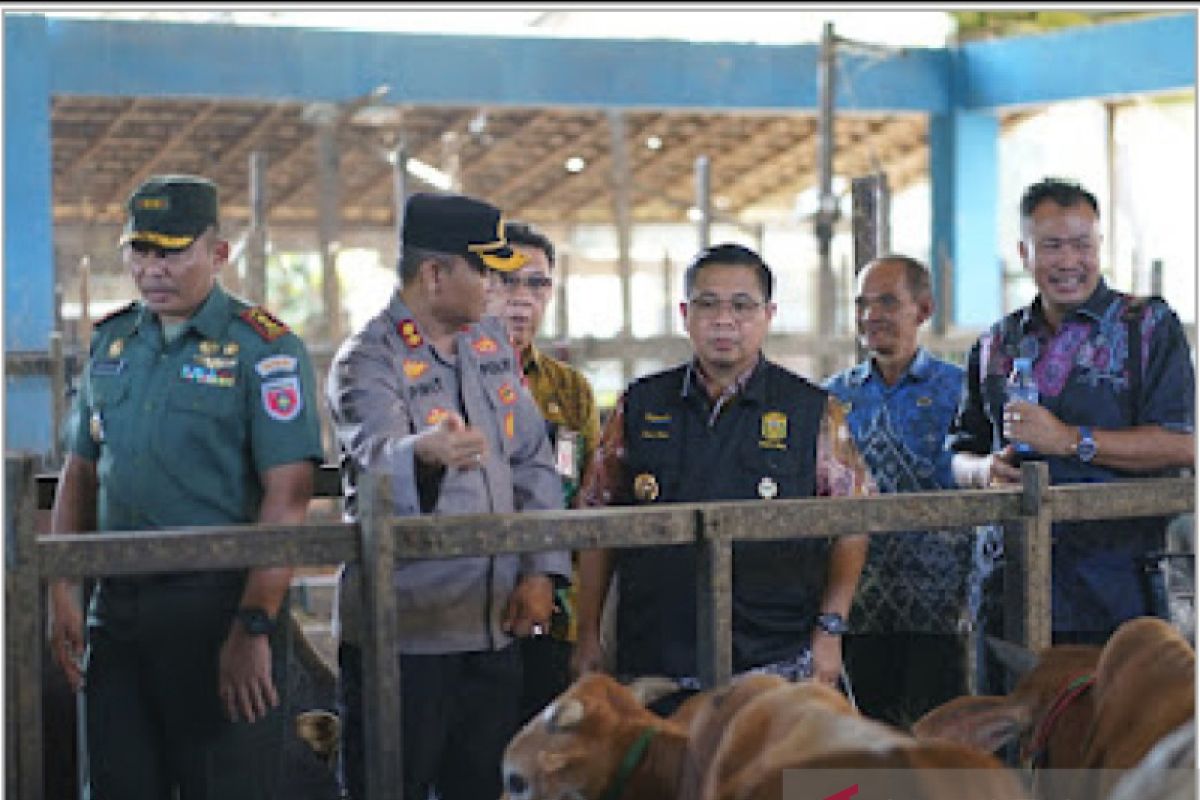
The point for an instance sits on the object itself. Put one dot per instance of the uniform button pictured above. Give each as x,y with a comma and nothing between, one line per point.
149,406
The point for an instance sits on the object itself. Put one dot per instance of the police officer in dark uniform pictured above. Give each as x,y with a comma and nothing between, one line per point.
195,408
727,425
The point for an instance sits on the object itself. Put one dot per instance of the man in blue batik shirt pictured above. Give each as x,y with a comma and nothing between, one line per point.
905,653
1117,388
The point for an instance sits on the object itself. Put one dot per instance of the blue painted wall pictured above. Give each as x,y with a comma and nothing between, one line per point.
28,230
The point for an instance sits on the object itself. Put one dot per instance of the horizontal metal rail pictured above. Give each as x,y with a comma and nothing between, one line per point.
382,540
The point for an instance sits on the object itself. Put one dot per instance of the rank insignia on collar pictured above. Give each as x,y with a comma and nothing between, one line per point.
485,344
407,329
436,415
507,394
774,426
414,369
924,400
768,488
114,349
208,348
645,487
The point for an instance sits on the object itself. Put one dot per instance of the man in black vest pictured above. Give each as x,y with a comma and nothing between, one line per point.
727,425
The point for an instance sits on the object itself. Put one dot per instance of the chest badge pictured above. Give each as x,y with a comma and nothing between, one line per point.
645,487
768,488
507,394
209,348
510,425
230,349
773,431
115,349
485,345
414,369
96,426
436,415
924,401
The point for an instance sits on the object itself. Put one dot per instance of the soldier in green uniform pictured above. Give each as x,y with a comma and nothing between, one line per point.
195,408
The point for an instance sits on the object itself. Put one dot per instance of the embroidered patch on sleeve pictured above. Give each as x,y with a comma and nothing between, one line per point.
282,398
264,323
273,364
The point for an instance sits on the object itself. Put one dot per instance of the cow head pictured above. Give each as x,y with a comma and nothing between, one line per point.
574,748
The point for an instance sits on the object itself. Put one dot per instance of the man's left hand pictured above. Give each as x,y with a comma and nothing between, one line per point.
1037,427
826,657
245,686
530,604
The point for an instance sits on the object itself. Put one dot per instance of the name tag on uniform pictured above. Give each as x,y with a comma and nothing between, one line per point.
111,367
564,453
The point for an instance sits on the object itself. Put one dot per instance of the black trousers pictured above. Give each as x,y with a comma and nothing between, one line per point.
459,711
897,677
546,663
154,721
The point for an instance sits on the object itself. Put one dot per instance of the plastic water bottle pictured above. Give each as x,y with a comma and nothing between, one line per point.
1022,386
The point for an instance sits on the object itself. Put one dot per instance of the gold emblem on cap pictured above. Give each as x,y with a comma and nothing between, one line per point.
645,487
114,349
767,488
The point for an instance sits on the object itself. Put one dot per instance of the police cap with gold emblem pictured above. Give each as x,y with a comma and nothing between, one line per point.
170,211
459,225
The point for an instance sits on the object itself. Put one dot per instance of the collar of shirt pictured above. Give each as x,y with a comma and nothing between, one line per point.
919,369
211,320
744,384
1033,318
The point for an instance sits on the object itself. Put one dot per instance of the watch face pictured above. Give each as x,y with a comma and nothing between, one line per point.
832,623
255,621
1086,450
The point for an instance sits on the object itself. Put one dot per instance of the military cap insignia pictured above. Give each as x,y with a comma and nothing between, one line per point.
282,398
414,369
264,323
507,394
436,415
768,488
485,345
114,349
409,333
645,487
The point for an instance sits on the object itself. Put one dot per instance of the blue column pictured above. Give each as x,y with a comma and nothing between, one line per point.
963,175
28,226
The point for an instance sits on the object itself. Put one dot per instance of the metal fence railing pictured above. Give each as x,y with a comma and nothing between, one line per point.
380,539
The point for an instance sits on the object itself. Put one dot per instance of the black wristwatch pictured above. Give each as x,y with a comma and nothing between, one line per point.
255,621
833,623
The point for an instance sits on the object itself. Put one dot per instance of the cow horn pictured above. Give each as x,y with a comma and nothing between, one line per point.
1016,659
650,688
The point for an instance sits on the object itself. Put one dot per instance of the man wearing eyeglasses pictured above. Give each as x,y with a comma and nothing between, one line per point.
564,396
727,425
195,408
1116,394
429,394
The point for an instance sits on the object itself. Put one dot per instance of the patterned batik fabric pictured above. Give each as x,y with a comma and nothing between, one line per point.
916,581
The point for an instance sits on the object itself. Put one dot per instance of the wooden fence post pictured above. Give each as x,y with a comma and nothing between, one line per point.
25,633
381,665
1027,619
714,604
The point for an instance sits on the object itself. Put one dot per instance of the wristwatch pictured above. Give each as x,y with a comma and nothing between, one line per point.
1085,448
255,621
833,623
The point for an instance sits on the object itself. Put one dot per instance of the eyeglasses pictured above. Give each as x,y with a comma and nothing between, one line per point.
534,283
708,306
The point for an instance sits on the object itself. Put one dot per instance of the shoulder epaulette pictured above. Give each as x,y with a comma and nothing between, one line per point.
265,323
130,306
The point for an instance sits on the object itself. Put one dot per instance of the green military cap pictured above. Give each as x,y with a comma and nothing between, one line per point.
170,211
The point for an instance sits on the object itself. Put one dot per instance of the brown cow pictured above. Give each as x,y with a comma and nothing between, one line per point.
595,741
1084,707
